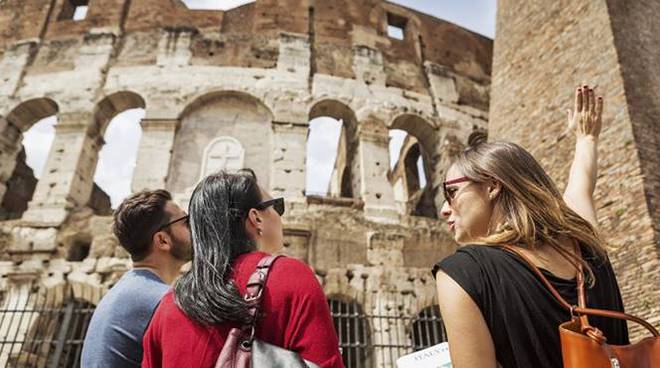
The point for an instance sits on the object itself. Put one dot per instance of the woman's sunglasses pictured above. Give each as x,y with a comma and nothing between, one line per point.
277,203
450,193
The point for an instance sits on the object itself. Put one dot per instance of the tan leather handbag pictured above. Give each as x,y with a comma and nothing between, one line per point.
585,346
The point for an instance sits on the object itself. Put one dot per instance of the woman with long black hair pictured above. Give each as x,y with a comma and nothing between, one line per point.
234,224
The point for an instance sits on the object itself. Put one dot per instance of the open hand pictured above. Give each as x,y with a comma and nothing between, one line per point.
586,117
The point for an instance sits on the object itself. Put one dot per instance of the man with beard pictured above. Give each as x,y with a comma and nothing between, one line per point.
154,230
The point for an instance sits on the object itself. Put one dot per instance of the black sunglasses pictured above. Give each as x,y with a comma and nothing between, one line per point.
162,227
277,203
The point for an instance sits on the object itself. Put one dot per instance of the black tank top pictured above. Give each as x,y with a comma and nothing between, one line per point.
521,314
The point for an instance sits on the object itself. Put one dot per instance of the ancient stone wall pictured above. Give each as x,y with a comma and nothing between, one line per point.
236,87
543,50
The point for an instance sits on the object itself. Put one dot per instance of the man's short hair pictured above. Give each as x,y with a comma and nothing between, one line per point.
137,218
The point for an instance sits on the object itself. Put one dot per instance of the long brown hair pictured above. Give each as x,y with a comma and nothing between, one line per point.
534,213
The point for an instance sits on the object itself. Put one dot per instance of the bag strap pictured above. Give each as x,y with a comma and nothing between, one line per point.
255,289
581,309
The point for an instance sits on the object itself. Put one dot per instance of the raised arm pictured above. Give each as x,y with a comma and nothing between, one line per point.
585,121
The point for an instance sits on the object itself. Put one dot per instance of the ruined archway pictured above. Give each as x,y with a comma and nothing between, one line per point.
413,164
21,161
339,121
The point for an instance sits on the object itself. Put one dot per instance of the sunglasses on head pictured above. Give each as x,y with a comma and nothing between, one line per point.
277,203
449,195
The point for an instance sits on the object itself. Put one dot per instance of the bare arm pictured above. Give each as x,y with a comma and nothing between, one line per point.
470,343
586,122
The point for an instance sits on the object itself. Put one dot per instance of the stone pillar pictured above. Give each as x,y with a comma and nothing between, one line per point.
9,148
374,161
288,168
154,154
68,175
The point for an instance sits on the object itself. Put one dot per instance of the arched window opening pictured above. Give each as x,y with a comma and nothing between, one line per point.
325,164
427,328
352,328
37,142
332,143
408,174
118,156
28,134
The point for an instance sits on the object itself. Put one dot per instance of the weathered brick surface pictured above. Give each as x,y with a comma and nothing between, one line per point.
542,51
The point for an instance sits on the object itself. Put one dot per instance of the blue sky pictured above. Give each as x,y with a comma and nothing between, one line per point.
117,157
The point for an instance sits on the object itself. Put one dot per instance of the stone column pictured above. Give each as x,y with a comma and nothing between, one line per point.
68,175
288,167
154,154
375,189
9,148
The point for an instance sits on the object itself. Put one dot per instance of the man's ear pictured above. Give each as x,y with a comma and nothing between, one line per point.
162,241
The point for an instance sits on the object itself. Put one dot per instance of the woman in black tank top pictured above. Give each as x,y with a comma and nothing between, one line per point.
495,310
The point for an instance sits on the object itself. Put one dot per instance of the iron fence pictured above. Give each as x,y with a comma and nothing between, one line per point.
43,330
47,330
379,339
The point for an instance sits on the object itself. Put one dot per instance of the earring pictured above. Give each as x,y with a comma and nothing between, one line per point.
259,232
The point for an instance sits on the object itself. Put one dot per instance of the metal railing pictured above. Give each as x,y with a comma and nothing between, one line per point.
43,330
47,330
379,339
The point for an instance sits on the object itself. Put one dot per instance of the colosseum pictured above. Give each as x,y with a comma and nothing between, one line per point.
239,88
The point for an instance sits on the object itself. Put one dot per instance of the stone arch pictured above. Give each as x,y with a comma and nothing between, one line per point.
108,112
16,177
422,141
345,180
25,114
231,115
111,105
194,102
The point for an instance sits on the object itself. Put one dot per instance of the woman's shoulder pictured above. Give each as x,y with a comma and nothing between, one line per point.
472,258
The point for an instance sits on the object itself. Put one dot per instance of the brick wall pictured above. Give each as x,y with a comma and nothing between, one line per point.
543,50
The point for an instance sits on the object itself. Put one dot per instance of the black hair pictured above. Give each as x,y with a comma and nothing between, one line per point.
218,208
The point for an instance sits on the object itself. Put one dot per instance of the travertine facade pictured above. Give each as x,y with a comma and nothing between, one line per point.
230,89
542,51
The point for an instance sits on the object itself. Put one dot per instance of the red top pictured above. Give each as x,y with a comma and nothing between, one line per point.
296,317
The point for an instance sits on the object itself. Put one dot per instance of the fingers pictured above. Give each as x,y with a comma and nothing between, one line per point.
585,98
599,115
578,100
592,101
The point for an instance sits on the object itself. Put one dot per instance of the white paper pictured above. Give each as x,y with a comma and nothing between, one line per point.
437,356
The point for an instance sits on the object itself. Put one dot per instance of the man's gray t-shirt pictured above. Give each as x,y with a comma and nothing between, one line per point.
114,336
